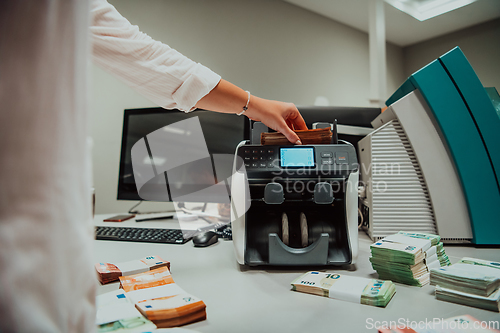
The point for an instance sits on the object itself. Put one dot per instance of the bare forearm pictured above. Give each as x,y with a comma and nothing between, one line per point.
280,116
225,97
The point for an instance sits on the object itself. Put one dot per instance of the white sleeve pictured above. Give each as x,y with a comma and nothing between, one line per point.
154,69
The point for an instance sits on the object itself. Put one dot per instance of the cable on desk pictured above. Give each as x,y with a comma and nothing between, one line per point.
130,211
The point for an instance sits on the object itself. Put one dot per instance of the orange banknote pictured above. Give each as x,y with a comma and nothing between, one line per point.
154,278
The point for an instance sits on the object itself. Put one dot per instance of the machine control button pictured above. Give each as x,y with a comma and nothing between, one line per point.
341,158
260,157
327,161
326,154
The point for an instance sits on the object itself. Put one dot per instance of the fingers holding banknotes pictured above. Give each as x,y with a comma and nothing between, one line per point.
280,116
283,117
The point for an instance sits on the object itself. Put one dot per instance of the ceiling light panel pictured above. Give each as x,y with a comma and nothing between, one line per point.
425,9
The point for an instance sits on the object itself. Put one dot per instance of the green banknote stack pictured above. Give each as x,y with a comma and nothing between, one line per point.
407,257
115,313
471,281
346,287
435,241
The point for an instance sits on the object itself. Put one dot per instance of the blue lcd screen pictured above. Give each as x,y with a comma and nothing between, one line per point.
297,157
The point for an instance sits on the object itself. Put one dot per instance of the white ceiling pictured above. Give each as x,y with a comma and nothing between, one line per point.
401,28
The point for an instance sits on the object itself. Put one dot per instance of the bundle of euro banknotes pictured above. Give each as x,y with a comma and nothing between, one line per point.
471,281
161,300
145,301
408,257
109,272
307,137
346,287
116,313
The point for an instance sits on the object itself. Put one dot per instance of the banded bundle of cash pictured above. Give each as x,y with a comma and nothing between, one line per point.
116,313
407,257
161,300
109,272
307,137
435,241
346,287
471,281
173,311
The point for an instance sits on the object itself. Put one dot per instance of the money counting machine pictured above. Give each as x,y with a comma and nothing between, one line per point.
302,203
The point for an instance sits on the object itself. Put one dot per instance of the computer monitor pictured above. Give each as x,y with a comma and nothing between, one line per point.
222,133
352,116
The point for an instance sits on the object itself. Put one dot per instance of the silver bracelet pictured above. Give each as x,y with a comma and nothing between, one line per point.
246,106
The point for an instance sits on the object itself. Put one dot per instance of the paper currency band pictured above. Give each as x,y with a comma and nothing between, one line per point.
246,106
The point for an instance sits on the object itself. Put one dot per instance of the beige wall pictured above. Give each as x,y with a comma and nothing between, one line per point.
480,44
271,48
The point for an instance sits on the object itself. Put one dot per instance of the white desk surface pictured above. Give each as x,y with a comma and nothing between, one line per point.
260,299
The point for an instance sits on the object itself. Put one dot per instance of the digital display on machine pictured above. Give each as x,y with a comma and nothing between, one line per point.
297,157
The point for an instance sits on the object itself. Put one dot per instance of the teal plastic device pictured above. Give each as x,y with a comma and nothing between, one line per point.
470,128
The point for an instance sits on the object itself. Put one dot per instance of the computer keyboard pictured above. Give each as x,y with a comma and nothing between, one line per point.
146,235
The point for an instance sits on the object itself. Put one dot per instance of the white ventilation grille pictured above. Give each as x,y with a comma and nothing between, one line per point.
400,200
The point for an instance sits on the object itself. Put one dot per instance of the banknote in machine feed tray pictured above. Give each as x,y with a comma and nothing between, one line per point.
307,137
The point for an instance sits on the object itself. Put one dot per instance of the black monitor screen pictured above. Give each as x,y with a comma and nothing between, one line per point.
353,116
222,133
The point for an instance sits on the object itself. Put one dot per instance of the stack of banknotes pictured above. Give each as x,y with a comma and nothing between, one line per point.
161,300
307,137
471,281
109,272
407,257
346,287
116,313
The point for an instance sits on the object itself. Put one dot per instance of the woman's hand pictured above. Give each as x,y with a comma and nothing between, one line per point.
280,116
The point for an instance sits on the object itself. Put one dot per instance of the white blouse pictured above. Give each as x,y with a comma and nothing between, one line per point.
157,71
47,279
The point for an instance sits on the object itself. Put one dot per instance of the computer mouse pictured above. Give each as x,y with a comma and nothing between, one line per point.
204,239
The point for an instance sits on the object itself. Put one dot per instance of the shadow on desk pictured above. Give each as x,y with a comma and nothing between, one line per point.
296,269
